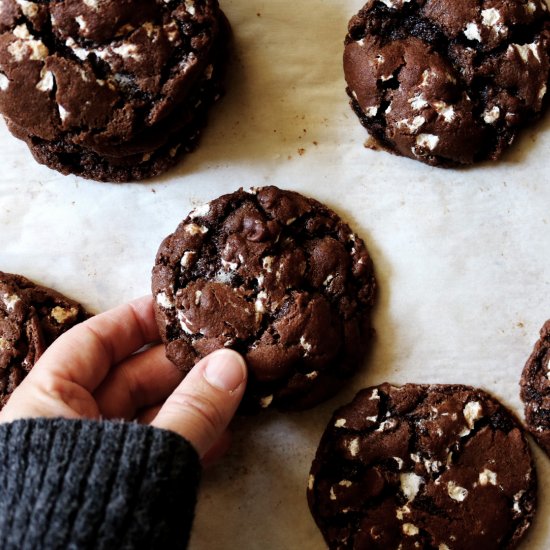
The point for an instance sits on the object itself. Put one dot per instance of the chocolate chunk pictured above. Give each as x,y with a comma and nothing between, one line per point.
31,318
276,276
448,83
535,389
419,466
110,90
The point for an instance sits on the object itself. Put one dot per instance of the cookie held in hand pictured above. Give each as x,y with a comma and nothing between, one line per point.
112,90
420,466
448,83
276,276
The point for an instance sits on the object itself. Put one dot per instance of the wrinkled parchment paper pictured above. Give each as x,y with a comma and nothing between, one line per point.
462,256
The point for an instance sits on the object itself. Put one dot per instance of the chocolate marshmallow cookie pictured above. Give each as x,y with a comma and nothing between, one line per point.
279,278
21,341
56,313
31,318
447,82
442,467
535,389
112,90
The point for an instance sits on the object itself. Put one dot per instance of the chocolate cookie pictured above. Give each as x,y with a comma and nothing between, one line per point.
56,313
113,90
448,83
21,341
31,318
276,276
441,467
535,389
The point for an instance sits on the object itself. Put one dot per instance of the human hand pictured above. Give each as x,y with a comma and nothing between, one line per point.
96,371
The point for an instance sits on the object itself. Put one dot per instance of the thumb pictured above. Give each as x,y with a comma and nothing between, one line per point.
204,403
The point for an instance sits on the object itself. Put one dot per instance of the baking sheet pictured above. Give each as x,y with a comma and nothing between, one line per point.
462,256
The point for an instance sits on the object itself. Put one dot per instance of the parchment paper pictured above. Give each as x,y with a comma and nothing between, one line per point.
462,256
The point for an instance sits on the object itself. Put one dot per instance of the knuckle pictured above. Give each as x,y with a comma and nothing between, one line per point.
52,387
201,408
58,397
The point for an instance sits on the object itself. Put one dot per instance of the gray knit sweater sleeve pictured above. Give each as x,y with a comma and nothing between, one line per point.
80,484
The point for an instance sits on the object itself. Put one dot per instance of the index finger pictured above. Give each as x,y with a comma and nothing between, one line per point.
85,353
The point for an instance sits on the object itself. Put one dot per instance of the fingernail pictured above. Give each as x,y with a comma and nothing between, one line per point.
225,370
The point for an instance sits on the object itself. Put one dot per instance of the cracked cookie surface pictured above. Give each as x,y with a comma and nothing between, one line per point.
439,467
279,278
448,83
112,90
31,318
535,389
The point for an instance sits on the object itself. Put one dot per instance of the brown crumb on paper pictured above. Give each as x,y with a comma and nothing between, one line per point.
371,143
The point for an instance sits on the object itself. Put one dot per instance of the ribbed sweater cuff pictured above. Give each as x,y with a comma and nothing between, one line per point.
85,484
